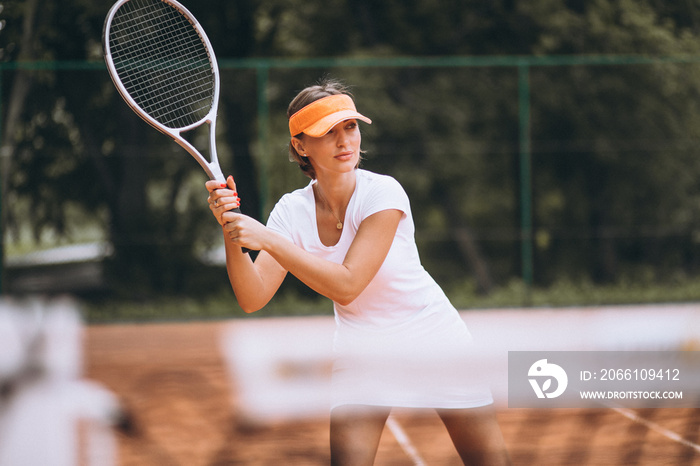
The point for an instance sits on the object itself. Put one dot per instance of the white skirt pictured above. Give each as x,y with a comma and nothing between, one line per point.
426,362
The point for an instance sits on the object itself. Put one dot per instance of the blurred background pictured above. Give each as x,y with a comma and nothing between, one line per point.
549,149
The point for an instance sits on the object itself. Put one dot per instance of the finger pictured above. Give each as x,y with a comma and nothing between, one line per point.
214,202
230,201
231,183
232,186
223,196
213,185
217,189
230,218
231,204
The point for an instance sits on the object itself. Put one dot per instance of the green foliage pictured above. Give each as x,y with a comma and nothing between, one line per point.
222,305
580,293
615,157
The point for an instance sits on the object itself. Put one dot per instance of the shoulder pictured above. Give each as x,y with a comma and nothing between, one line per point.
377,192
368,179
376,185
291,207
295,199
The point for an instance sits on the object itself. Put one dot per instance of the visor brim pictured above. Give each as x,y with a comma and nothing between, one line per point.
325,124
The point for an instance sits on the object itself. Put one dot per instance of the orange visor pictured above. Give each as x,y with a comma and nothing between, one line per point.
317,118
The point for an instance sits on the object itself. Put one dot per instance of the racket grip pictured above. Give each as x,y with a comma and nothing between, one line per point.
238,211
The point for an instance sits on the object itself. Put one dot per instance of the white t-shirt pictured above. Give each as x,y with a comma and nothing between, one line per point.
400,342
401,288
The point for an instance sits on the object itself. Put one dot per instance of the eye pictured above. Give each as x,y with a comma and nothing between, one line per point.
352,125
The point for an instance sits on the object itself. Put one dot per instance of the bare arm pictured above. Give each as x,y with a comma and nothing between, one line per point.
254,283
340,282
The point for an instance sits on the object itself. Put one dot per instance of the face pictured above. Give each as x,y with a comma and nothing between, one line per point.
336,151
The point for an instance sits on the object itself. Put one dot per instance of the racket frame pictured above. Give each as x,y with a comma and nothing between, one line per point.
211,167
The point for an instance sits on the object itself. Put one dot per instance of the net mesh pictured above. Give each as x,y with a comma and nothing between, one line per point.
162,61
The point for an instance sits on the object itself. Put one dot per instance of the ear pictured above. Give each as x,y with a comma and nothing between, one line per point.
298,146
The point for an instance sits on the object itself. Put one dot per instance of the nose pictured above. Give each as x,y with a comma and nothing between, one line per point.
342,138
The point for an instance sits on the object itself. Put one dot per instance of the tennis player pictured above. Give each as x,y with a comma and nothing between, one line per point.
349,235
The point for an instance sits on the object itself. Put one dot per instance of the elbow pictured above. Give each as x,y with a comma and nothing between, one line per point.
249,306
344,301
347,297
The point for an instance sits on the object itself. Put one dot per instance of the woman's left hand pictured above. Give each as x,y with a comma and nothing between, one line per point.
244,231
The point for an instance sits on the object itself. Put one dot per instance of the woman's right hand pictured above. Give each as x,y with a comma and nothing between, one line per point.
222,198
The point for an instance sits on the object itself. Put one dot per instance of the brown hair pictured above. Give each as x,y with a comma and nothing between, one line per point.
324,88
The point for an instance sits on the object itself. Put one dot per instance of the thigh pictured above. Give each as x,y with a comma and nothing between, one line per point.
476,435
355,434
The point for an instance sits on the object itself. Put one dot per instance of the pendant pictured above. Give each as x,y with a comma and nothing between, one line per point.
339,226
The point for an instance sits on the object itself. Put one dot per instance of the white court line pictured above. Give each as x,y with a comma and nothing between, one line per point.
655,427
404,441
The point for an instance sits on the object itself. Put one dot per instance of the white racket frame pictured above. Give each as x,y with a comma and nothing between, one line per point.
211,167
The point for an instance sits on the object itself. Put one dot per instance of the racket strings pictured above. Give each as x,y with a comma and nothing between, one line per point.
168,68
162,62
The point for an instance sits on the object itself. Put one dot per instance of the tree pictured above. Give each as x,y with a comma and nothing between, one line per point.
449,135
89,150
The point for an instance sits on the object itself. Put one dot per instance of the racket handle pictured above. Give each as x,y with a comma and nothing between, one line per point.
238,211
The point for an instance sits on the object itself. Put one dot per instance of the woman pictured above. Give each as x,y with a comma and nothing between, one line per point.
349,235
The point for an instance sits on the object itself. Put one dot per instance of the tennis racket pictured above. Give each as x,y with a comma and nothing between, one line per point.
164,67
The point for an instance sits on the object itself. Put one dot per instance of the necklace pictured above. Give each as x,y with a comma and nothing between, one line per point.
338,225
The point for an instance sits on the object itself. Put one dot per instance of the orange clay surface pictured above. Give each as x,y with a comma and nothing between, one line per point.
172,377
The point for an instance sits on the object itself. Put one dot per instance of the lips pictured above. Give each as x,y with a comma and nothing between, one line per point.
344,156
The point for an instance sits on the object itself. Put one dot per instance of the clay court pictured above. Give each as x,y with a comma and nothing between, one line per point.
174,379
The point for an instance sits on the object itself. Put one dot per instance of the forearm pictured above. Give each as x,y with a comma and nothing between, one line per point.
253,282
335,281
256,282
341,282
251,290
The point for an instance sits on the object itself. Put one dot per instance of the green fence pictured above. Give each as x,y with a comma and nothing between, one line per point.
522,67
